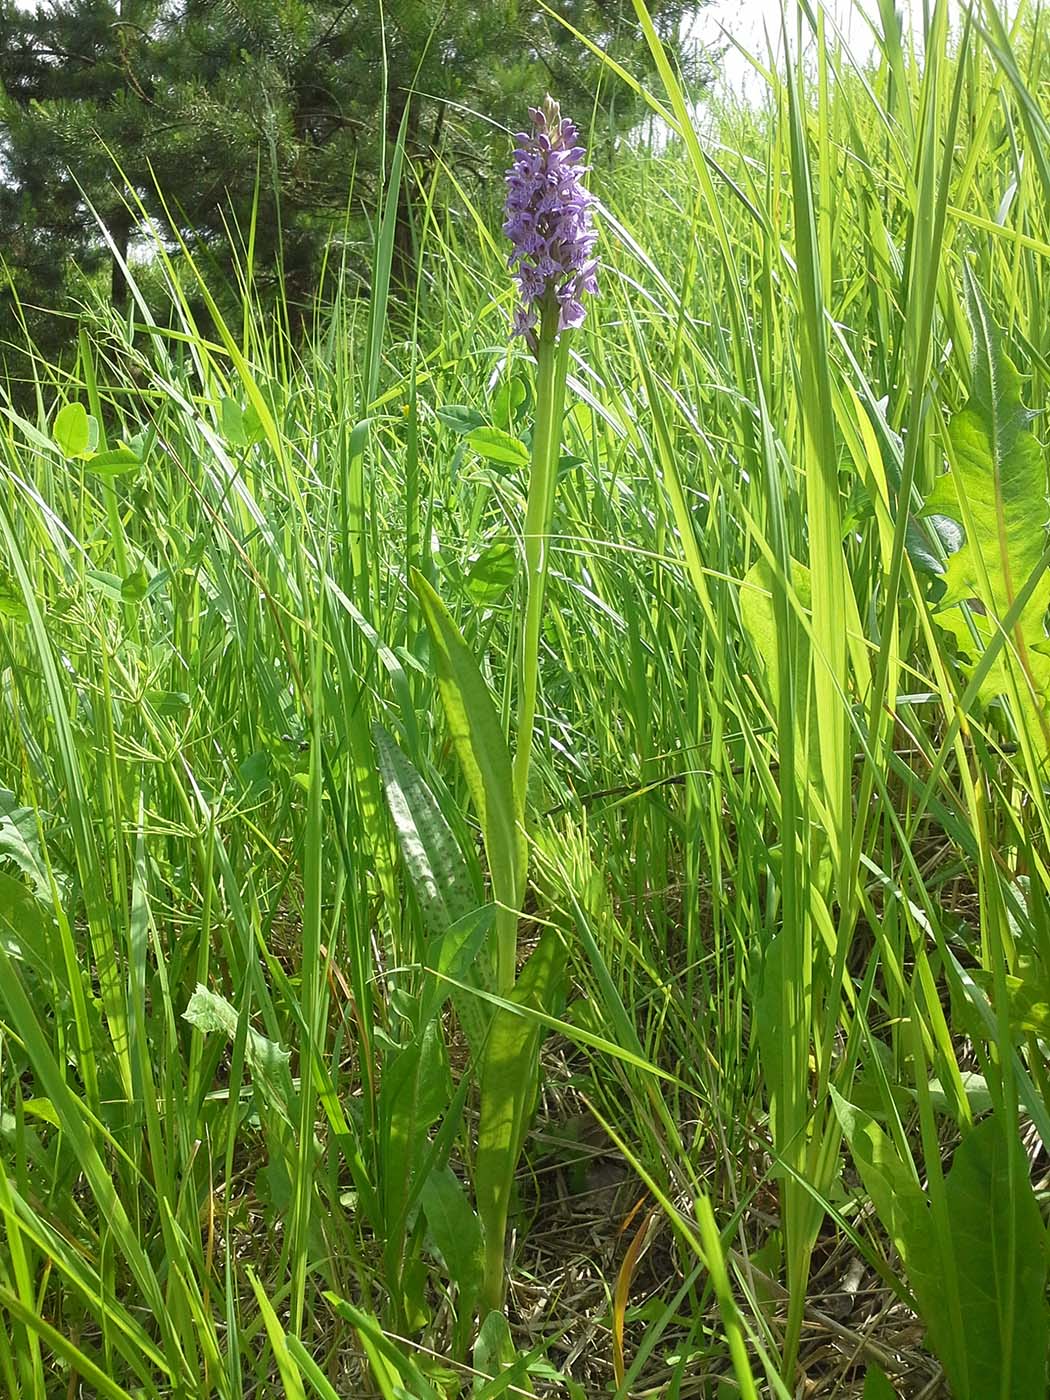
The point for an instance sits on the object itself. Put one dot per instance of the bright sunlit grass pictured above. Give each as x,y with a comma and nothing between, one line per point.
760,1092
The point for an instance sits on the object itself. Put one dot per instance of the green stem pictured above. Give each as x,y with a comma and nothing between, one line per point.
553,364
494,1285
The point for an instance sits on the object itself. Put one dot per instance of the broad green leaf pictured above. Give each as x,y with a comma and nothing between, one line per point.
104,582
133,587
921,552
492,573
974,1086
116,461
996,488
498,447
72,430
507,1092
20,843
507,400
494,1349
902,1208
241,426
168,703
231,417
759,618
876,1385
268,1062
415,1091
456,1231
433,860
1028,990
756,607
917,536
757,612
480,745
414,1291
459,418
25,926
12,604
998,1346
462,956
1001,1260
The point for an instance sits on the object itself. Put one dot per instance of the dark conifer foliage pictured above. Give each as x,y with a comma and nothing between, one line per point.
212,113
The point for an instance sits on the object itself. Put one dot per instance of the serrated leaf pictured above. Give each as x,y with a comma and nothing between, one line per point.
72,430
996,489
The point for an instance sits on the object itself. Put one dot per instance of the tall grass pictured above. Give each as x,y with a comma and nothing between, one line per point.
788,805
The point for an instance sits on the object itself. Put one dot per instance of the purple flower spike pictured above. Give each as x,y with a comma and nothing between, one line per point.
549,223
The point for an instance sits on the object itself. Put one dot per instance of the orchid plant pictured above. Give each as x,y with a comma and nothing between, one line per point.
549,221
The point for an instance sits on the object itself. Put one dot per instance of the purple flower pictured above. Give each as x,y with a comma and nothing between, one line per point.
549,222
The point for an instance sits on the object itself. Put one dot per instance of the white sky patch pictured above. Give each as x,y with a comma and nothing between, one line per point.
756,25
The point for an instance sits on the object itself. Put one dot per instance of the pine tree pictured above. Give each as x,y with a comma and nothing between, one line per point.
217,112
